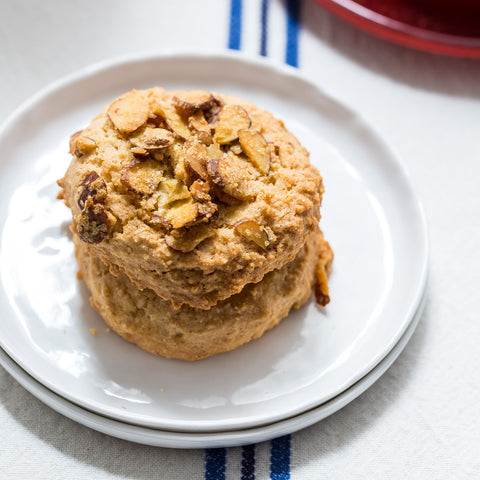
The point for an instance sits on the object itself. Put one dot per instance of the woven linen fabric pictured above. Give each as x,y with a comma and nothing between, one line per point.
421,419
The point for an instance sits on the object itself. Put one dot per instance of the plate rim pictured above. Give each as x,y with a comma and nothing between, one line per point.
256,61
208,439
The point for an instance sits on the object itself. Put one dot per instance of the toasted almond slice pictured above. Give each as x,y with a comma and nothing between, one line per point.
214,151
213,169
73,138
236,149
200,191
234,176
253,231
143,177
172,118
196,159
84,145
189,102
153,138
198,123
92,186
232,118
188,240
321,287
182,214
92,223
175,190
212,113
129,112
255,147
202,129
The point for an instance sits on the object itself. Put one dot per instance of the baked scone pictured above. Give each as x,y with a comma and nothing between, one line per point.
190,194
142,317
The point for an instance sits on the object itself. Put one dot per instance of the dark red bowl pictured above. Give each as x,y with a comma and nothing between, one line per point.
447,27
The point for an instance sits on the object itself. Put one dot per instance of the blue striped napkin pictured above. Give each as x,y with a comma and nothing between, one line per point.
258,16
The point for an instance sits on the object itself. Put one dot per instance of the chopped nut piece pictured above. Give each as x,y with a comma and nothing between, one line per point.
200,191
186,241
232,118
324,265
201,128
84,145
211,115
173,119
139,151
253,231
72,141
142,177
214,151
196,159
214,172
182,214
93,186
236,149
153,138
91,224
129,112
198,123
175,190
321,287
255,147
234,176
189,102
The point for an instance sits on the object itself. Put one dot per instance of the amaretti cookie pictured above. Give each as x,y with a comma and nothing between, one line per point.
187,333
191,195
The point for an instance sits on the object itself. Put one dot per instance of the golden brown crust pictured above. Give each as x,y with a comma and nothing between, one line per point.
188,333
175,198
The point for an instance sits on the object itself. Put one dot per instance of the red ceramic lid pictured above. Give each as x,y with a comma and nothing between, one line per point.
448,27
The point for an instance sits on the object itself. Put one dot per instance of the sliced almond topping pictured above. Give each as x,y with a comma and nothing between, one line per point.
153,138
214,151
255,147
253,231
232,118
129,112
91,224
143,177
182,214
196,159
186,241
198,123
234,176
173,119
321,287
211,114
236,149
200,191
84,145
93,186
175,190
189,102
72,142
213,169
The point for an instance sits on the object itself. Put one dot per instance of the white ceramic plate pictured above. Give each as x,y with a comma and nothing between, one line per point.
162,438
371,216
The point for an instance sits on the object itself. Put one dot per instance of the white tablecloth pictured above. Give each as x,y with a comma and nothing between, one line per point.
422,418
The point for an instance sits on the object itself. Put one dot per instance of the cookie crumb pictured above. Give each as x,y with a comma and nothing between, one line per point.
93,331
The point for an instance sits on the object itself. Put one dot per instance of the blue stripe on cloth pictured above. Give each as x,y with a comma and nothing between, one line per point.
263,33
293,27
248,462
235,34
280,458
215,463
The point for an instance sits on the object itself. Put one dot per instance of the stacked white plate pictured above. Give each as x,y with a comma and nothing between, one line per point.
316,361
